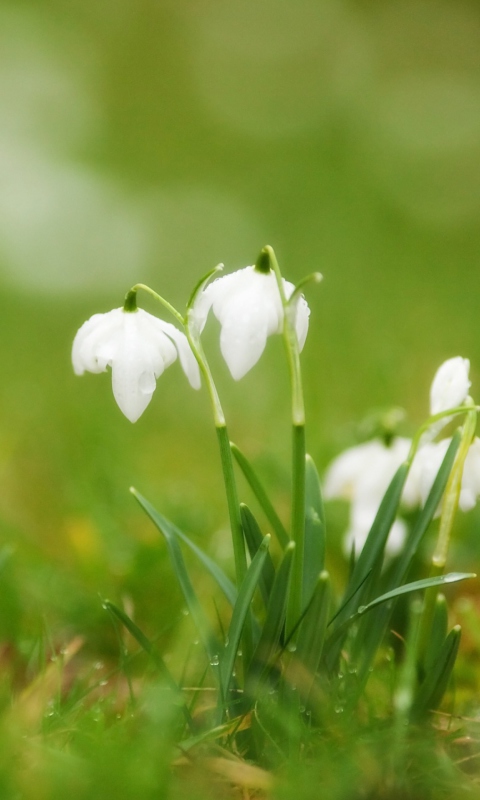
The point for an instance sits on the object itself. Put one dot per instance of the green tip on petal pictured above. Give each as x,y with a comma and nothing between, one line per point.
130,303
264,260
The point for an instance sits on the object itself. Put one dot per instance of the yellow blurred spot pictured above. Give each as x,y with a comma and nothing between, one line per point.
84,538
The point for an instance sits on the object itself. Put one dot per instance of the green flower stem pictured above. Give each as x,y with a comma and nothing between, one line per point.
219,419
449,510
130,301
233,504
294,608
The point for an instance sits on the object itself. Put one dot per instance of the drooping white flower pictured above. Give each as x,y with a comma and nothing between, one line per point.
138,347
362,475
450,385
248,306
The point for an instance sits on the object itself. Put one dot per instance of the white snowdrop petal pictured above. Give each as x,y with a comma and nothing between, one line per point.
248,305
450,385
89,338
138,347
242,343
302,319
131,400
345,471
187,359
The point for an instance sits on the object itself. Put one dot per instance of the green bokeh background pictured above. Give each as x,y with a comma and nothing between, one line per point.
148,141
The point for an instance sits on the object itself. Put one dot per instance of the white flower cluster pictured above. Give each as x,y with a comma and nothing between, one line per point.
362,474
138,346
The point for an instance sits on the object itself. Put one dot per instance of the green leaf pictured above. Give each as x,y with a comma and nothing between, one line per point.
438,632
312,632
428,511
373,549
149,648
261,495
370,559
378,625
314,552
433,688
254,539
425,583
209,640
224,583
274,622
240,611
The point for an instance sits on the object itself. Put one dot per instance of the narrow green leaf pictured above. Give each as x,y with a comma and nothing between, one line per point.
438,633
314,626
369,560
274,622
240,611
407,679
427,513
378,625
425,583
254,539
314,553
433,688
209,641
261,495
149,648
223,582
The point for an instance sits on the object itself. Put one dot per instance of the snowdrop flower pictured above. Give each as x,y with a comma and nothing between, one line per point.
361,475
450,385
138,347
248,306
426,464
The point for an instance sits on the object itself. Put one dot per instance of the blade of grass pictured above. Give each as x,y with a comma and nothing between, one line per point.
433,688
428,511
240,612
438,633
425,583
374,547
254,539
370,644
223,582
273,625
312,632
147,645
314,553
261,495
207,636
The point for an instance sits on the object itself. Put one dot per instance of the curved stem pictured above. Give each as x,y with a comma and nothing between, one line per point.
130,298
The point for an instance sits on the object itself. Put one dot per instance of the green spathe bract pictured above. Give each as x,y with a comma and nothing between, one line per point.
293,648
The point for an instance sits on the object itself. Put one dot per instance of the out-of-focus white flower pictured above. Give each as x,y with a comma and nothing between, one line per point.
450,385
362,474
138,347
248,306
425,467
